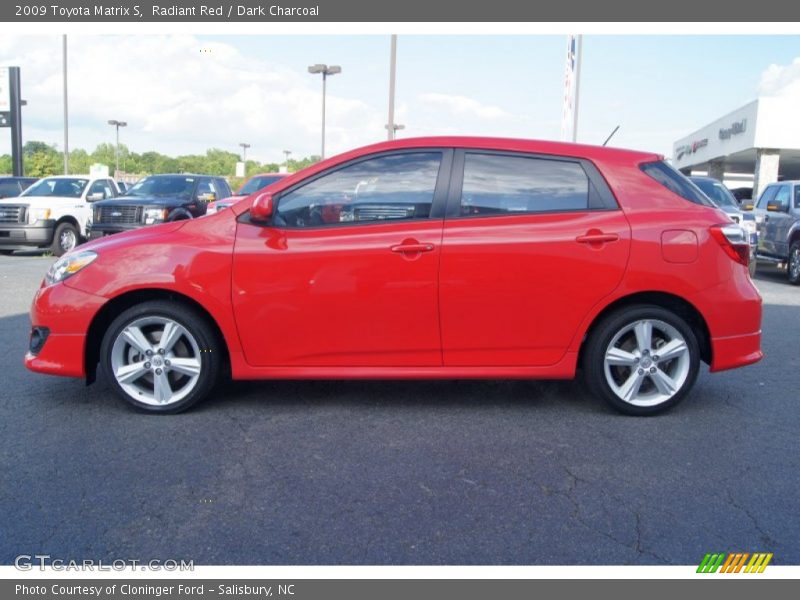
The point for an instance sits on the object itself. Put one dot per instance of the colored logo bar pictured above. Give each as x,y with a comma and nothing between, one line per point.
735,562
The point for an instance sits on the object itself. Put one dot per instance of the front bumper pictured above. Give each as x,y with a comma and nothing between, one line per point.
18,236
66,313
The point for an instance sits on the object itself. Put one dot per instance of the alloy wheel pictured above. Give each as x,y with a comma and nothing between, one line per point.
156,360
647,362
68,240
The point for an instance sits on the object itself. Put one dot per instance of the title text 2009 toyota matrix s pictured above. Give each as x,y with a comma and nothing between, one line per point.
421,258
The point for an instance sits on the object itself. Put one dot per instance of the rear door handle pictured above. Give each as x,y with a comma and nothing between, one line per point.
412,248
597,238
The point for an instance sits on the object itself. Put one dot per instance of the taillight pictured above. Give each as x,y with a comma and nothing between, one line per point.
734,241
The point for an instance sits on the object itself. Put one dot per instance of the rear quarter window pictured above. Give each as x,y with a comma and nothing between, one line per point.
675,182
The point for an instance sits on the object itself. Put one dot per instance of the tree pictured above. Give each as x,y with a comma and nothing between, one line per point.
6,166
42,163
79,161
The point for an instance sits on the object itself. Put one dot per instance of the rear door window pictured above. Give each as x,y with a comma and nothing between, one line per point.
676,182
503,185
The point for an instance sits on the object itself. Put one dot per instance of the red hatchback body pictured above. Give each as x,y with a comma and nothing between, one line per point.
422,258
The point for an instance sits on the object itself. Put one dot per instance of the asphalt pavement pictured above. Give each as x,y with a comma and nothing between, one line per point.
440,472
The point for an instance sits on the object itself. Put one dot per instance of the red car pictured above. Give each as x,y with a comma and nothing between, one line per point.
251,186
419,258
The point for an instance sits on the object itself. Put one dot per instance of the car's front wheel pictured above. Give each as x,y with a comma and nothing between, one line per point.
161,356
793,267
642,359
65,238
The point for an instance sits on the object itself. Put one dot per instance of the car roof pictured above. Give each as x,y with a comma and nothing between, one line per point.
512,144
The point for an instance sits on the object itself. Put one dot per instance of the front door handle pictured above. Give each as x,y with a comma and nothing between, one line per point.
412,248
597,238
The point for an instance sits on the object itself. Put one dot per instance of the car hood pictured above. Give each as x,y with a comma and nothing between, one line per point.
141,235
143,201
731,210
38,199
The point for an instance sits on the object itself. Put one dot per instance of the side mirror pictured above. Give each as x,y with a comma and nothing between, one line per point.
261,208
95,197
775,206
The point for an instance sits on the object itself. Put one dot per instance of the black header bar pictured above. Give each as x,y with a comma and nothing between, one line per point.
460,11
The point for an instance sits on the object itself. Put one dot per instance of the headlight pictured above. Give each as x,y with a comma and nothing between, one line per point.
68,265
154,215
37,214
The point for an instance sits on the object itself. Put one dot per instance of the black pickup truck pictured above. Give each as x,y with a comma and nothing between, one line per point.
157,199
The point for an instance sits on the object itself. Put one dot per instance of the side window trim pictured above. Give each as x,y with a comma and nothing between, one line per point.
593,175
440,193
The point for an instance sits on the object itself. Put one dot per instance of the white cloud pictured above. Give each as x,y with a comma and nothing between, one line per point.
179,95
463,106
781,80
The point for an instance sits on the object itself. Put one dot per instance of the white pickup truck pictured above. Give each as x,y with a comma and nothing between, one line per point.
52,213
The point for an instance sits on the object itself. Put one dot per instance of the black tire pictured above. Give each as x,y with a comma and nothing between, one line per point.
793,264
196,324
64,229
600,339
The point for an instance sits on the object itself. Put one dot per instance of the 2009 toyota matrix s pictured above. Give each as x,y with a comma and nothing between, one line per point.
421,258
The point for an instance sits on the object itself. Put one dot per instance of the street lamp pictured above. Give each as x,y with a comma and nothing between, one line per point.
244,146
325,70
117,124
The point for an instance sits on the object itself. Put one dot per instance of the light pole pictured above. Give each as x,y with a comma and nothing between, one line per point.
117,124
394,129
325,70
244,146
391,127
66,111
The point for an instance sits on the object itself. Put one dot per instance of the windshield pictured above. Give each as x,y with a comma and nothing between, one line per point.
177,186
257,183
66,187
718,193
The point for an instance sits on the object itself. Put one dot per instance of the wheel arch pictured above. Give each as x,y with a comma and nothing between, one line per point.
676,304
111,309
71,220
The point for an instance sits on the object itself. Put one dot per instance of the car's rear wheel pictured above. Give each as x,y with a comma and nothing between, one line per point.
642,359
793,267
161,356
65,238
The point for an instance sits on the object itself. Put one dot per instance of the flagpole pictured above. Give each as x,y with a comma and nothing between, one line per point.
578,61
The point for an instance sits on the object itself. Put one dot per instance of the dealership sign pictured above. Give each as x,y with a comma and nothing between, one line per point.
685,149
736,128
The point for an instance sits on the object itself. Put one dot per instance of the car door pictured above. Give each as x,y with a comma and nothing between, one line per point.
775,223
346,272
530,245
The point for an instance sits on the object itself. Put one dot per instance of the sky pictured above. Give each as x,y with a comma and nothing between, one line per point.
183,94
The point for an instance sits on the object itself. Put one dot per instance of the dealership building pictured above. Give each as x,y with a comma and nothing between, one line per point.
756,144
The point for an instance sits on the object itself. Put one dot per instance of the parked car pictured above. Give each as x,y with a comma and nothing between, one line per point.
252,185
124,186
777,216
52,213
724,199
158,199
742,193
11,187
419,258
